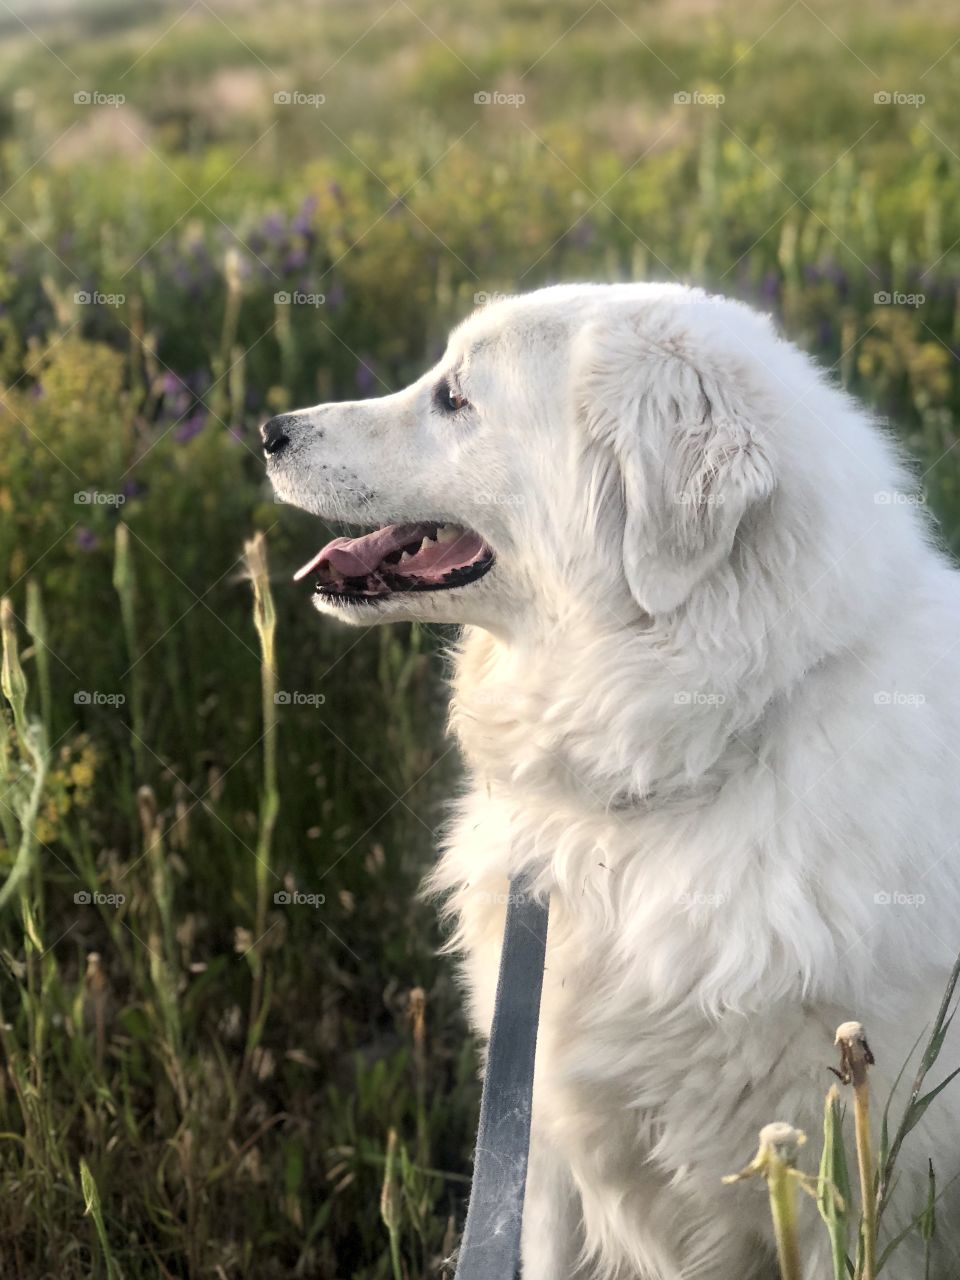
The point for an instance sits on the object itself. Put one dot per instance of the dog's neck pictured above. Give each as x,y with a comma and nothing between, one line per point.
616,717
621,709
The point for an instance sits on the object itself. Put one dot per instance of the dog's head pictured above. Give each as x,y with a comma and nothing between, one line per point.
578,447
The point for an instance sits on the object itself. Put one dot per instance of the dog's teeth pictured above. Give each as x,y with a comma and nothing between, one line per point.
405,557
448,533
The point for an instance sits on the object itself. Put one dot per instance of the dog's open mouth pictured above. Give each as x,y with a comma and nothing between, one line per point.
397,558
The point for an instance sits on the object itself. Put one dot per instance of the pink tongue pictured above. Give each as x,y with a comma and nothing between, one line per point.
356,557
438,558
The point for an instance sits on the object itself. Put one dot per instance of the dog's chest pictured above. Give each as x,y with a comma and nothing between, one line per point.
630,1062
620,1015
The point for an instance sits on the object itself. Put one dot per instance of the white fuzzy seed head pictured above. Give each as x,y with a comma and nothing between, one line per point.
782,1140
850,1032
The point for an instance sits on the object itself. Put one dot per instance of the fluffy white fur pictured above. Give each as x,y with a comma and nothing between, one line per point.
709,696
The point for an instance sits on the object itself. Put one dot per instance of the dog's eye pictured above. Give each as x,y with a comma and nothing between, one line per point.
448,399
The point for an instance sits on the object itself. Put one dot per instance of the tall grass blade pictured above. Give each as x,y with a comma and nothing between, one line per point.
264,617
91,1208
833,1185
928,1219
26,790
928,1058
37,627
125,585
390,1204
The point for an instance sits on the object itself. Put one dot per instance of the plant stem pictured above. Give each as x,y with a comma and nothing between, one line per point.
861,1117
255,557
125,585
776,1162
783,1210
390,1205
855,1058
37,626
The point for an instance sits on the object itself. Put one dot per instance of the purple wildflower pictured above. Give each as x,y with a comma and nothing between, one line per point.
365,378
770,286
191,427
85,539
302,222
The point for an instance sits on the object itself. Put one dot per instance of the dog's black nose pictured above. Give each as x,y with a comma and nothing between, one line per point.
275,433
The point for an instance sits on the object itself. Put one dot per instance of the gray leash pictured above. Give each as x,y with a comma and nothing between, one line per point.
490,1248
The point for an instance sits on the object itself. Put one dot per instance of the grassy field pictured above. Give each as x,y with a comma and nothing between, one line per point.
199,1079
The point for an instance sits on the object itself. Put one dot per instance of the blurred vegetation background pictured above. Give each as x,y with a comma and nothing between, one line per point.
211,212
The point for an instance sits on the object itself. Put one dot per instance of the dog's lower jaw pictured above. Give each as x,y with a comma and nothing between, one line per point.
487,604
355,613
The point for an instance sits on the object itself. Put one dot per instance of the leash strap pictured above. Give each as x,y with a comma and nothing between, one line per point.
490,1248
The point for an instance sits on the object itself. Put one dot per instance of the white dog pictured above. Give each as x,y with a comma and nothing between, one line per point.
709,695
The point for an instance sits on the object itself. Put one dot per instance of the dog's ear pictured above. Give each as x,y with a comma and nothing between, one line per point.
683,427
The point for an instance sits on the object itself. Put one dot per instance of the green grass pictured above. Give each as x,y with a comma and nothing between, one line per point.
218,1086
